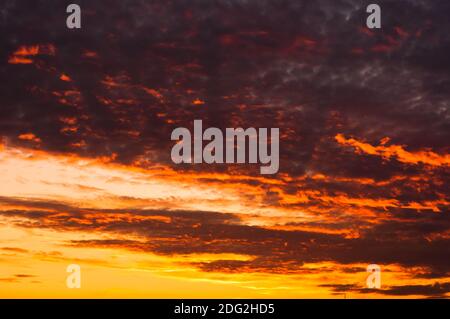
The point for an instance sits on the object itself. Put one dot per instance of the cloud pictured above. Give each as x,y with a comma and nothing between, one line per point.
396,151
436,290
16,278
172,232
363,118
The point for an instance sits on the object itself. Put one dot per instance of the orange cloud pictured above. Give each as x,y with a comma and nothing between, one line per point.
396,151
29,137
198,102
19,60
22,54
153,93
65,78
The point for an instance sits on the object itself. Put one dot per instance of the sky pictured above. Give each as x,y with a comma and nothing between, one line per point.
86,175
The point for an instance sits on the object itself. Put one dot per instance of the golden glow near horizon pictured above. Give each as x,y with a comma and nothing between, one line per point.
34,257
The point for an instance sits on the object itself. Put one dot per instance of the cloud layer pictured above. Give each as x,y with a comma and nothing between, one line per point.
363,117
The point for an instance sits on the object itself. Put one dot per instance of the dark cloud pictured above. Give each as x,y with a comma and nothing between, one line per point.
172,232
436,290
254,63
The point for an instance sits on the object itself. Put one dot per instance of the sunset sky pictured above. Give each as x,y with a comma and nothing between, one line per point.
86,176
